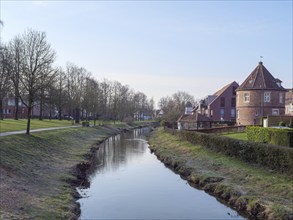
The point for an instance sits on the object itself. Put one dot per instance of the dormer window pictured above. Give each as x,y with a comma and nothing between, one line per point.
278,82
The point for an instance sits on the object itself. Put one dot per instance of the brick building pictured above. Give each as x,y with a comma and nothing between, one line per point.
259,95
9,108
289,102
192,120
221,106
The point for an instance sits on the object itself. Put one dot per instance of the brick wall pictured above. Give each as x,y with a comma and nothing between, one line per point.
249,113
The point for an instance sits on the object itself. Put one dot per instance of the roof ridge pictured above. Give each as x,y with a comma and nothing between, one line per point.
260,78
263,77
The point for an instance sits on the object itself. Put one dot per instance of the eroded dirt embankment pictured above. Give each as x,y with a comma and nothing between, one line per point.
253,191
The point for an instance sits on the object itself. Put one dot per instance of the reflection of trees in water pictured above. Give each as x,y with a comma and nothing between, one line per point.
118,150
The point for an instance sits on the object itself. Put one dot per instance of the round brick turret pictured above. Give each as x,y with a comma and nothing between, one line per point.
258,96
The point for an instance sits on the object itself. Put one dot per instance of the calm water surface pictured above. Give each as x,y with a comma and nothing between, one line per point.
131,183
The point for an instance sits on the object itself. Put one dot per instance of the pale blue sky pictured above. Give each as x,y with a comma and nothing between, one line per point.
160,47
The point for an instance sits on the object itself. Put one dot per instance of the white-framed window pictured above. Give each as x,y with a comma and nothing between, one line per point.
275,111
267,96
256,113
237,112
290,108
11,102
246,97
281,98
233,113
222,112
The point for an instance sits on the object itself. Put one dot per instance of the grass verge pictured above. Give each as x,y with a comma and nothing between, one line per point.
8,125
248,188
239,136
37,171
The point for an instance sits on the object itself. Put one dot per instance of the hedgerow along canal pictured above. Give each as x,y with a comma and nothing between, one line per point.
131,183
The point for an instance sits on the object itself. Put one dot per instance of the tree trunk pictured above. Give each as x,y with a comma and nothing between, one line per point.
1,110
60,115
41,108
77,116
28,125
16,100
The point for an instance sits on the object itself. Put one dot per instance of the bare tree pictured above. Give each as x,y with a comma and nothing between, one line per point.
37,71
61,96
174,106
75,88
4,76
16,49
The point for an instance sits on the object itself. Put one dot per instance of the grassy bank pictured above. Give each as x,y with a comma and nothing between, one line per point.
248,188
239,136
8,125
37,171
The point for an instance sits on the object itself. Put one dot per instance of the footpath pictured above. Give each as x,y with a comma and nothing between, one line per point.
36,130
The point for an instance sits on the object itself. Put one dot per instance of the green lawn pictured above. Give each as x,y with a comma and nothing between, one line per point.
239,136
19,125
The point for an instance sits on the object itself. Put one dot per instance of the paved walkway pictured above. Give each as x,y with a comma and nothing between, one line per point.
35,130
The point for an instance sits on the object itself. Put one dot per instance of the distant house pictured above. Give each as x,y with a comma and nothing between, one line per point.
259,95
158,113
143,115
289,102
46,112
9,108
192,120
221,106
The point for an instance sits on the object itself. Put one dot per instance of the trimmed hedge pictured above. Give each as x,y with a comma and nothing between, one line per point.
274,157
282,137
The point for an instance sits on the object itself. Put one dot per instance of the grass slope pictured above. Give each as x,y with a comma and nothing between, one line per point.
36,170
244,186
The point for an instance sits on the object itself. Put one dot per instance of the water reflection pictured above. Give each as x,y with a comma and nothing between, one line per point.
130,183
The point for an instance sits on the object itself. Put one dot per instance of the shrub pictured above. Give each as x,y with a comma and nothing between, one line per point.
281,123
274,157
282,137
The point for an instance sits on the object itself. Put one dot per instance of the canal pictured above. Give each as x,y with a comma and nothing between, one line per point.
131,183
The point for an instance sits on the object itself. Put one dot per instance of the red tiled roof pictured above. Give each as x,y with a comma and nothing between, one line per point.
260,78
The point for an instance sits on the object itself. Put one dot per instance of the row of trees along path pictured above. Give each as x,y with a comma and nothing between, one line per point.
28,74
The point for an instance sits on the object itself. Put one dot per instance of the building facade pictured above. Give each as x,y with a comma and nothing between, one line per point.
258,96
9,108
221,106
289,102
